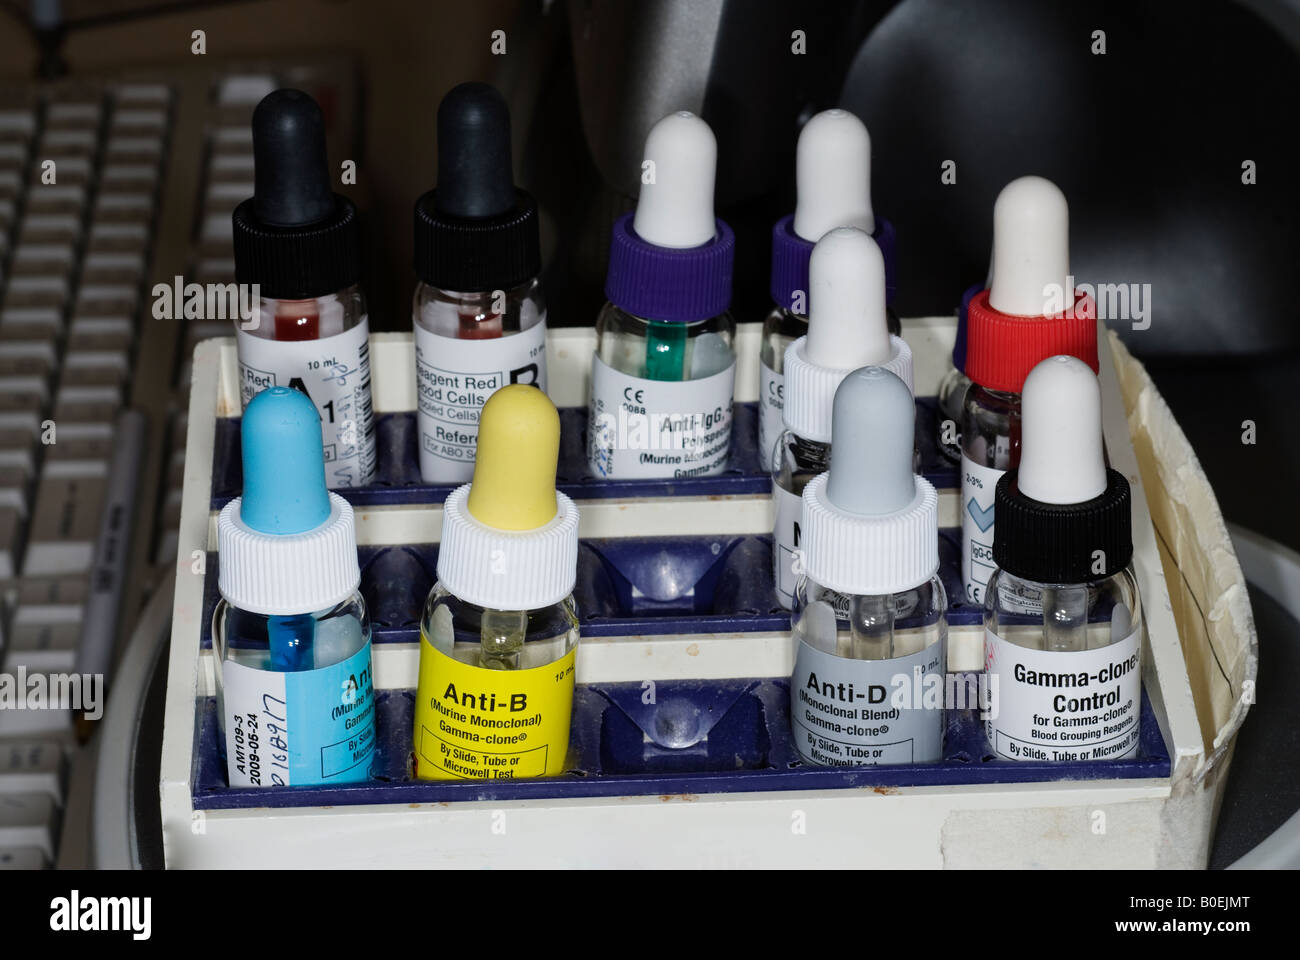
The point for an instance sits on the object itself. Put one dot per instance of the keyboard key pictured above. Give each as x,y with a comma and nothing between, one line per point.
44,646
23,858
21,411
139,120
244,90
37,291
14,484
28,358
34,767
100,333
124,207
52,591
110,237
142,94
28,819
108,298
61,198
51,228
80,114
69,498
113,268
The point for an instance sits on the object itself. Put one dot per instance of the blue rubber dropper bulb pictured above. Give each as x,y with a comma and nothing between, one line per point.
284,494
284,464
872,435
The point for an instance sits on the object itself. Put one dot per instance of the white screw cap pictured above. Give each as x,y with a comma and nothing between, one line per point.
870,526
675,208
847,326
1062,460
1031,248
833,175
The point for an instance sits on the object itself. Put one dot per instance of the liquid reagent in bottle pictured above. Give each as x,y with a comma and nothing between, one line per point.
869,621
664,369
1030,312
833,181
479,314
1063,619
299,243
290,633
846,330
499,633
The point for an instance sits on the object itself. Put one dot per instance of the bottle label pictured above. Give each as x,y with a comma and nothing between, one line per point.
647,429
1064,705
978,484
472,723
771,405
334,372
785,540
306,727
859,712
454,378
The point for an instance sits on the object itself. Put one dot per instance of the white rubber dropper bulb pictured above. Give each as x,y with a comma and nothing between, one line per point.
1031,249
847,325
833,175
1062,460
675,208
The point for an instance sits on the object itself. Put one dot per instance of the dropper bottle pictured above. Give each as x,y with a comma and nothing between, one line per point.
869,620
299,243
1030,312
290,633
846,330
1062,618
833,184
664,368
478,310
499,632
951,394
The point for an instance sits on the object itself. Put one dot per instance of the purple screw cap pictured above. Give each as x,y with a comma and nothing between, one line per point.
790,254
660,283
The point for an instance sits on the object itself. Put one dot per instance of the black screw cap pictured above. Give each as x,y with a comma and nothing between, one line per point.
476,230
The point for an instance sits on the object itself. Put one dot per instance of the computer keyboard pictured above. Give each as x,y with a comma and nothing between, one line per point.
108,185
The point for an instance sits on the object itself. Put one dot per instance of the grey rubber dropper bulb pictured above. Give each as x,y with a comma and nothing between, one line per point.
292,186
872,432
475,179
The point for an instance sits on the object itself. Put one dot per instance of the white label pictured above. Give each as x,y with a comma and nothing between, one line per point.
785,540
978,485
855,712
252,760
1063,705
654,428
335,373
454,378
771,405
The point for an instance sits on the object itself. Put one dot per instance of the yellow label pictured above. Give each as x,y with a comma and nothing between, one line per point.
477,724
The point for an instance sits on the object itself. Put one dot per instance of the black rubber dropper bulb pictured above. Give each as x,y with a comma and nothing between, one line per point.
295,238
292,184
475,179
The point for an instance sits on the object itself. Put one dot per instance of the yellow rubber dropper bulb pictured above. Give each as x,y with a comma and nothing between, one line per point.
514,469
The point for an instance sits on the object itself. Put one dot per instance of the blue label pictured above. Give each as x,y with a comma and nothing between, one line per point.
304,727
331,717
